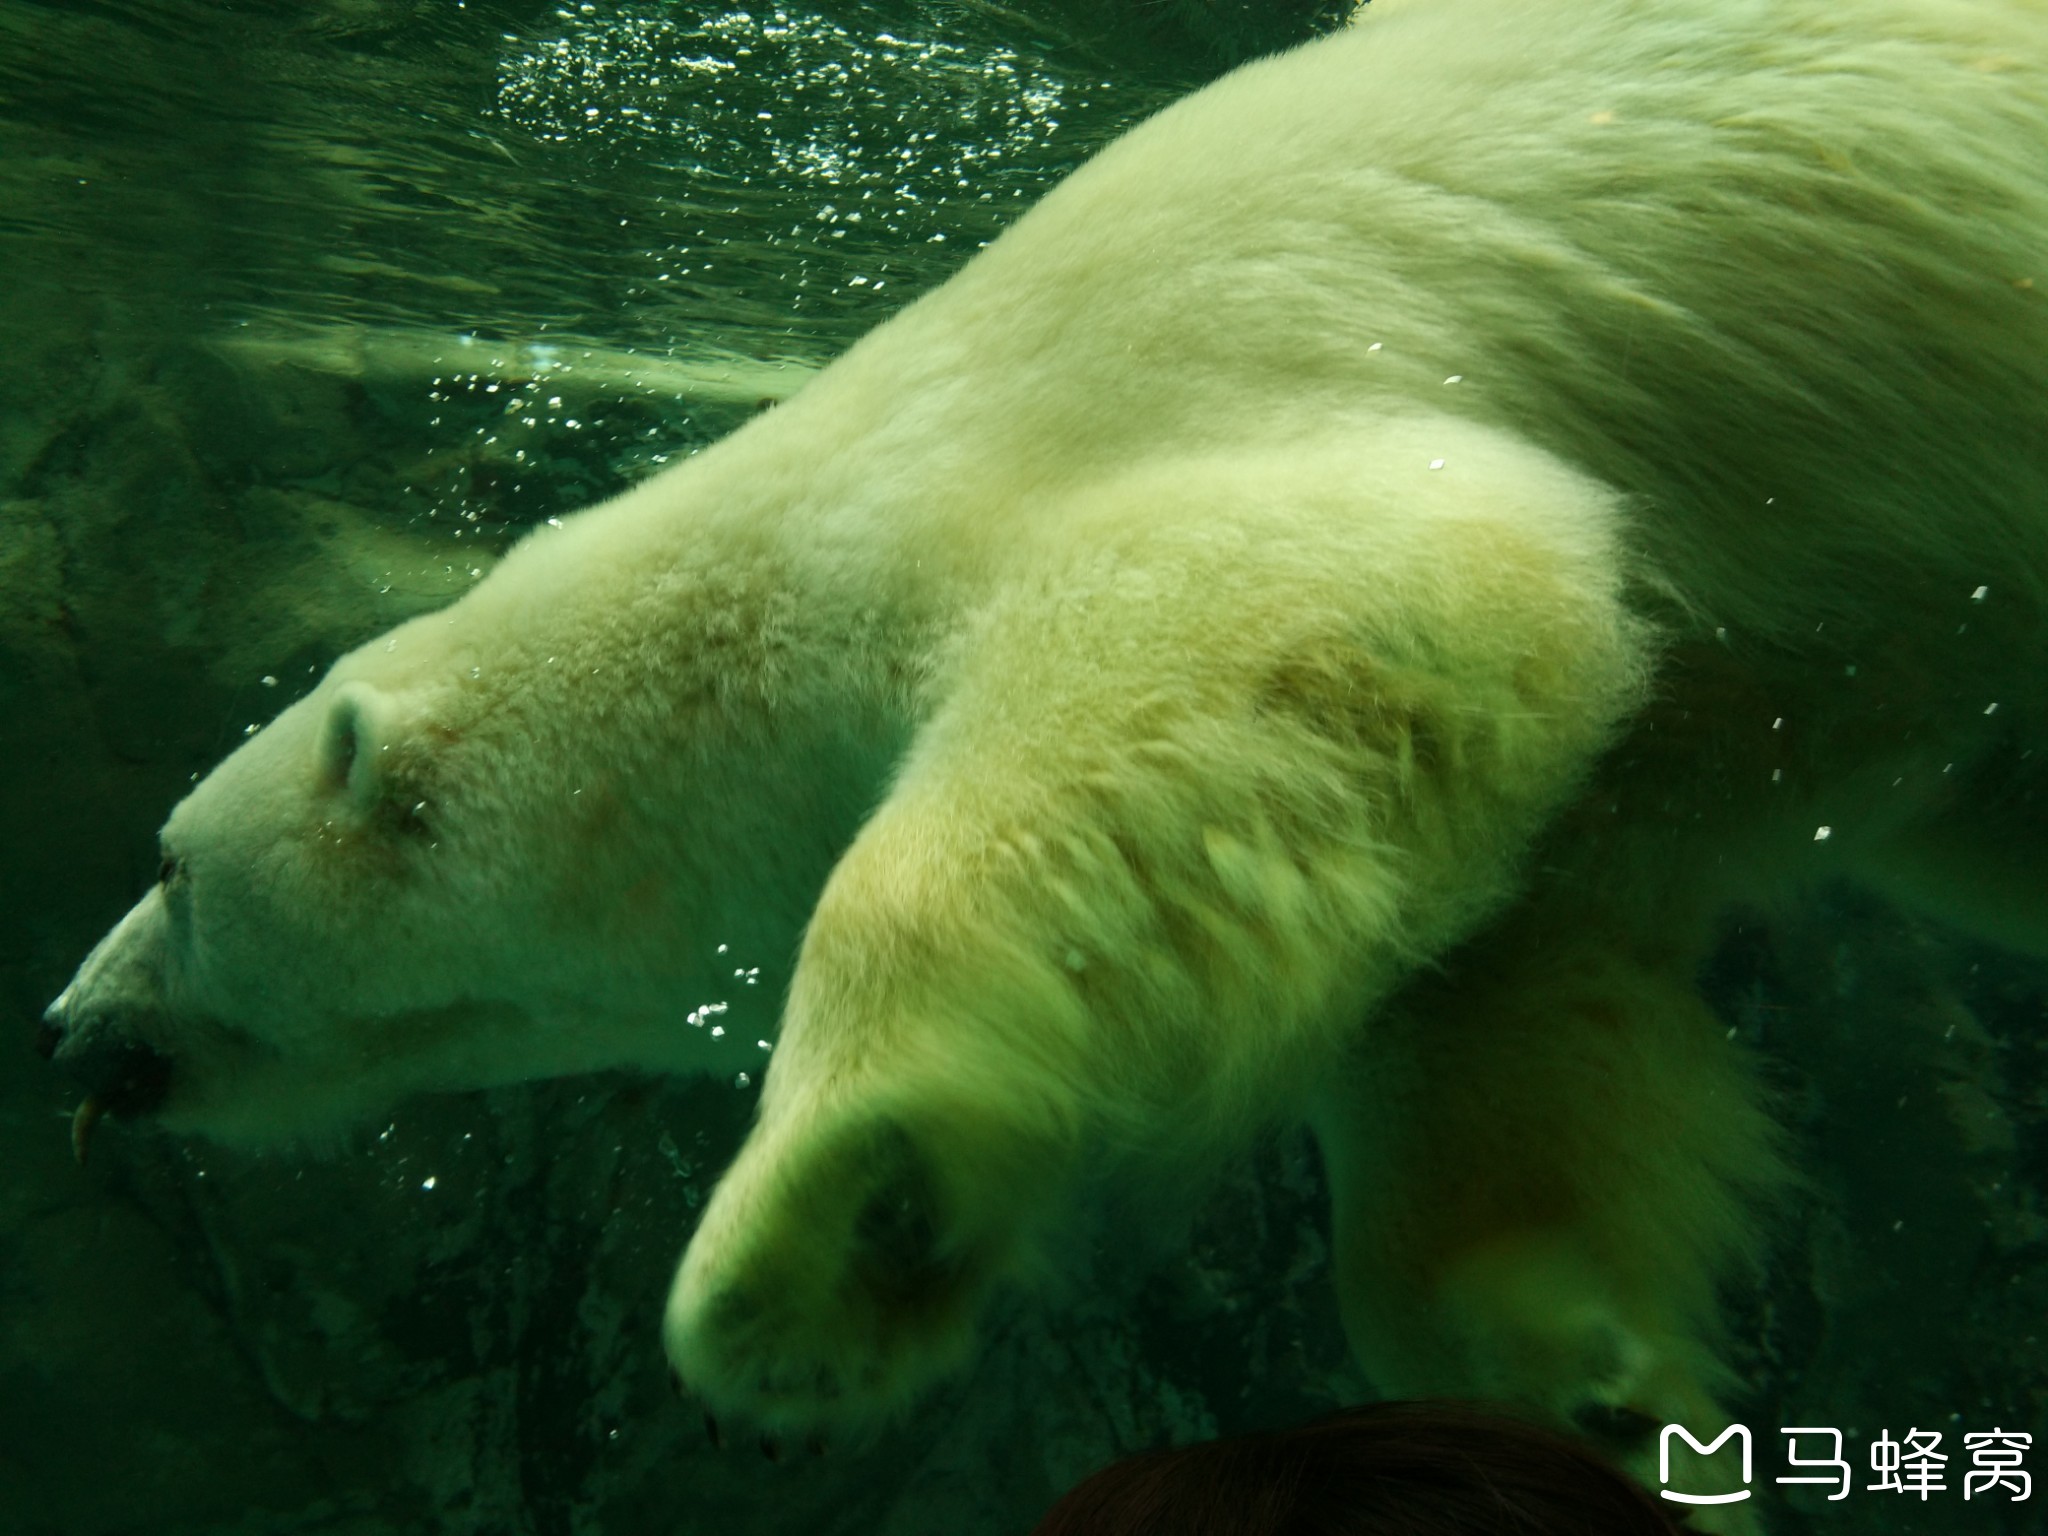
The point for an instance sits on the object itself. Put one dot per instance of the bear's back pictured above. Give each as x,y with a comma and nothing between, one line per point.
1767,269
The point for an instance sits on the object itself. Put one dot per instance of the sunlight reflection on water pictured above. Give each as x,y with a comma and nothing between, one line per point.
766,183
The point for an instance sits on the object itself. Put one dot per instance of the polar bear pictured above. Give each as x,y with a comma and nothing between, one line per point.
1313,623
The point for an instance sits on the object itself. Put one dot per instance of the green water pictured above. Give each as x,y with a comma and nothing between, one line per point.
308,309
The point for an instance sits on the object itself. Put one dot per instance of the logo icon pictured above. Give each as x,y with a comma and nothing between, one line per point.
1739,1431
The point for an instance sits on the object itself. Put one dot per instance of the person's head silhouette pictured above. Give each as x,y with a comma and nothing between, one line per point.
1393,1469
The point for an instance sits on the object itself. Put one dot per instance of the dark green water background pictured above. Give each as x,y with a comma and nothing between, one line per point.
305,310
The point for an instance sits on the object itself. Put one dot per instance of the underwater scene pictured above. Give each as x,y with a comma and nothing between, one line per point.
311,311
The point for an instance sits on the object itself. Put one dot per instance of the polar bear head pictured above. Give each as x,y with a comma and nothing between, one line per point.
504,841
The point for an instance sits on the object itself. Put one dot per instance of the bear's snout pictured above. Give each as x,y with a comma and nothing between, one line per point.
121,1073
97,1032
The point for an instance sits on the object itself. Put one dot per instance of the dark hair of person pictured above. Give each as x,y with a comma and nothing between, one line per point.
1392,1469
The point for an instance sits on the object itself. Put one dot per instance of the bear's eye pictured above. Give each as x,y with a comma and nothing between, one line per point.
169,869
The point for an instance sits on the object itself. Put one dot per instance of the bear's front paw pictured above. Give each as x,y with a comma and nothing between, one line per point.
836,1274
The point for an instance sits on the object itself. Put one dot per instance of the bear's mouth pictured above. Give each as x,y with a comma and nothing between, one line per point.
122,1077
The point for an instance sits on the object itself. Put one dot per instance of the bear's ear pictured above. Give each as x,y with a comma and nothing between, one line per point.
353,742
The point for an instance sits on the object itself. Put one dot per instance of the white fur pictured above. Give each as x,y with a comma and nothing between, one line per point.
1165,699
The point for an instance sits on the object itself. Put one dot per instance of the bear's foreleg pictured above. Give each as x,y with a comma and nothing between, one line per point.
1240,743
1540,1171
